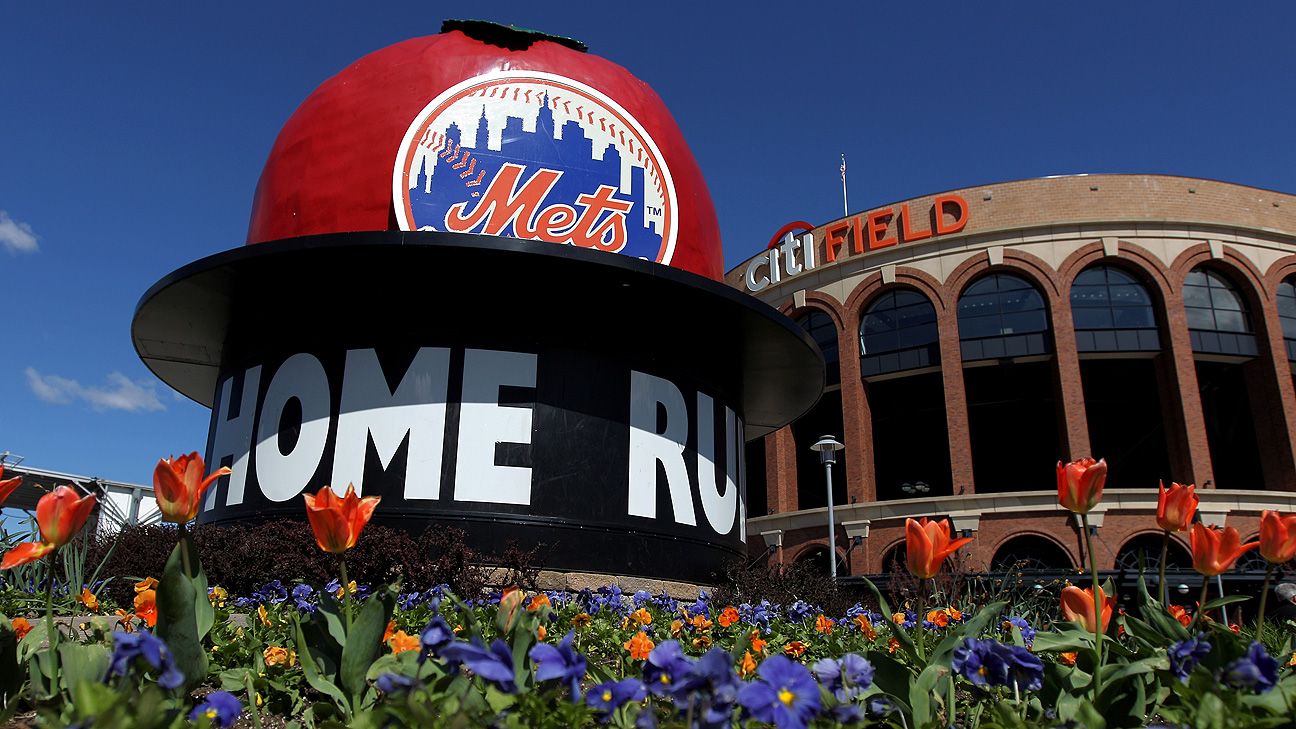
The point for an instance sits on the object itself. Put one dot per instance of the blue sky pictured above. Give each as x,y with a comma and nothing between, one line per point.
132,135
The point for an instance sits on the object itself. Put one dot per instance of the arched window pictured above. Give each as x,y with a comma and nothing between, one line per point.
1112,312
1218,319
1002,315
821,328
1030,552
1144,551
898,332
1287,314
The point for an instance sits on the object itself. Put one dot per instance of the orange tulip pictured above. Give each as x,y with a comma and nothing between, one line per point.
60,514
1078,606
178,486
1277,537
337,521
7,486
1176,507
1080,484
1215,550
927,544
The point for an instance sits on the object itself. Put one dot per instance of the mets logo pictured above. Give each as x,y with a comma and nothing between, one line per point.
538,156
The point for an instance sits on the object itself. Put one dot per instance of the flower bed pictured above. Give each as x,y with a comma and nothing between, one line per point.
347,654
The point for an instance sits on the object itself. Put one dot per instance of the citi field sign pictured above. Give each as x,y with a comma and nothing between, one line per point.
791,254
522,333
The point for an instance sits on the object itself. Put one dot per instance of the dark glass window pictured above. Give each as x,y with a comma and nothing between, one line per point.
1112,312
897,320
821,328
999,305
1287,315
1213,303
1002,315
1218,320
898,332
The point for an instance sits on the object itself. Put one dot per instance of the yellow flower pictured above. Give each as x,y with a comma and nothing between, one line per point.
702,642
261,613
88,599
641,616
217,596
351,588
277,656
581,620
677,627
148,583
1292,662
898,618
701,622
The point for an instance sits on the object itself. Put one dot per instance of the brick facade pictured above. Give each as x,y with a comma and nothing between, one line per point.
1048,231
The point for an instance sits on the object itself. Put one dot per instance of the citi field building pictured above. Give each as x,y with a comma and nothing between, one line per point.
976,337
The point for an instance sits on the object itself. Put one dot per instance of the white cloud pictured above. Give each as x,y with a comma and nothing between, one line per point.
15,236
120,393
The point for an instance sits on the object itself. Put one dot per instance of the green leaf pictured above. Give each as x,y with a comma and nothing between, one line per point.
364,642
179,607
972,627
1211,713
1088,716
1062,641
317,680
920,694
79,663
1220,602
891,676
901,635
330,611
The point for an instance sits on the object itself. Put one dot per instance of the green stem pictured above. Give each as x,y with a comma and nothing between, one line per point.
251,692
184,552
1264,593
346,593
1201,601
1165,552
1098,626
51,629
952,711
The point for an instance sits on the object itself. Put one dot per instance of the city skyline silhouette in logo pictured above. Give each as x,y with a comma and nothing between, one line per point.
531,177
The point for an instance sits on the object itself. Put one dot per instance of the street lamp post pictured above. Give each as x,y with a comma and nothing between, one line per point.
828,447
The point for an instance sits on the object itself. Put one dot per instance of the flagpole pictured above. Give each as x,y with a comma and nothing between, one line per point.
845,206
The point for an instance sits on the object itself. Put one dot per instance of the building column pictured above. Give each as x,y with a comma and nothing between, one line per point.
780,471
857,417
1070,390
956,408
1181,399
1273,404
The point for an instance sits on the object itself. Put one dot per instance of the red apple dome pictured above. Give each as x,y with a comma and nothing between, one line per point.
491,129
